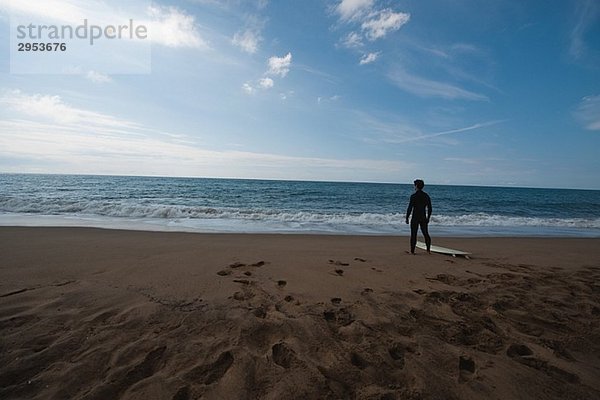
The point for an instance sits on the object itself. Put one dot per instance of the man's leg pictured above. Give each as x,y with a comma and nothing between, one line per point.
414,228
425,231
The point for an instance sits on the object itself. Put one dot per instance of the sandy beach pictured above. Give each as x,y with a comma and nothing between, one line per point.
109,314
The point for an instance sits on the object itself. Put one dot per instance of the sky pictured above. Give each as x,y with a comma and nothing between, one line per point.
460,92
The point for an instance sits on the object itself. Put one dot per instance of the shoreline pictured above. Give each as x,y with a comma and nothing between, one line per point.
143,229
217,226
89,313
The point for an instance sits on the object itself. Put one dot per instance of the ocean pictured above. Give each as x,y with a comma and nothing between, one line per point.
266,206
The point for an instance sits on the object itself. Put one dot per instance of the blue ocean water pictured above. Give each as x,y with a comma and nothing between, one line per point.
232,205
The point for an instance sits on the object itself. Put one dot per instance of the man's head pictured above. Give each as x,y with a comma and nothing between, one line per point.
419,184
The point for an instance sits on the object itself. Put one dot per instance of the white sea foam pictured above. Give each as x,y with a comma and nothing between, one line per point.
173,217
300,217
345,226
482,219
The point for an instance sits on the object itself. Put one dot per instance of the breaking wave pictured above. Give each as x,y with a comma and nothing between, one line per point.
62,207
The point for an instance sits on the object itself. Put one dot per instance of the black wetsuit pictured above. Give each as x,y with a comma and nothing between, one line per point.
419,201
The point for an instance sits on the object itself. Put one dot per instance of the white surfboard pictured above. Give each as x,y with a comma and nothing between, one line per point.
444,250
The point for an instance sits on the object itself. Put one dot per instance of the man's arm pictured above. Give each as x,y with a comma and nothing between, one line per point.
409,209
429,209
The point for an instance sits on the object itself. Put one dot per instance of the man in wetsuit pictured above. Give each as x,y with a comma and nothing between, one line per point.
419,201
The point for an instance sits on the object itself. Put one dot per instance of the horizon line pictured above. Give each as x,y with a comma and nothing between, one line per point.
298,180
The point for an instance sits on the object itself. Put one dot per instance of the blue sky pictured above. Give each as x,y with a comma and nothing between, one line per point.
480,92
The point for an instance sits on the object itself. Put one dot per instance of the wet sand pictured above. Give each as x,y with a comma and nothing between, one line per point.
109,314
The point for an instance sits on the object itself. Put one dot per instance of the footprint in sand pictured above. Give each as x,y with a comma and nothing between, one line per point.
288,298
248,273
359,259
340,272
376,269
336,301
366,291
518,350
182,394
397,353
444,278
329,315
524,355
339,316
466,368
281,283
224,272
143,370
358,361
240,296
283,355
466,364
210,373
150,364
240,264
336,262
260,312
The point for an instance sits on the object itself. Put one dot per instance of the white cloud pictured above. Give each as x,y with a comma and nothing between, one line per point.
369,58
98,77
457,130
372,23
52,108
588,113
248,37
402,131
280,65
66,11
263,83
249,89
587,14
352,40
335,97
352,9
266,83
247,41
172,27
47,133
285,96
380,23
169,26
58,150
429,88
465,48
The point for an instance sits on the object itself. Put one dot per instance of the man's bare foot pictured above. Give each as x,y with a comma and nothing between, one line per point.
408,252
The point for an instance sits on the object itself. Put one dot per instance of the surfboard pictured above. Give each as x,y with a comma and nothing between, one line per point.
444,250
